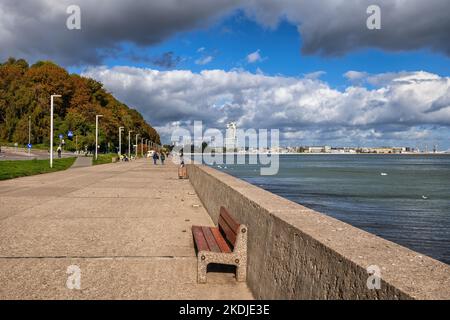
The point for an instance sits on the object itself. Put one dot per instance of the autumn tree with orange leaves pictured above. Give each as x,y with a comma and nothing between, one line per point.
25,92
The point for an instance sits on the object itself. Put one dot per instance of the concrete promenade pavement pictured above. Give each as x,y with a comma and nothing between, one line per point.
125,225
81,162
12,154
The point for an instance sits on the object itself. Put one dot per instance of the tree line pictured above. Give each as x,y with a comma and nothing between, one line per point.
25,94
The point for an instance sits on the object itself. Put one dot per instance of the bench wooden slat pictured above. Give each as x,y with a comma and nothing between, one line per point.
223,245
233,224
212,244
202,244
226,243
229,233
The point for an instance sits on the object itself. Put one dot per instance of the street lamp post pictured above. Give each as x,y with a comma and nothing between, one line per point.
129,144
51,127
120,140
144,142
29,135
29,129
136,151
142,147
96,135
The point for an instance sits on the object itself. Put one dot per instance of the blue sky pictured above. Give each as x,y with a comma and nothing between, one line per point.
230,40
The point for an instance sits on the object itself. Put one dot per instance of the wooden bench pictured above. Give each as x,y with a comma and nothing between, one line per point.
182,173
225,244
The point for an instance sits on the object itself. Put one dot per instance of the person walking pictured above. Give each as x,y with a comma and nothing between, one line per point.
181,159
155,157
59,150
163,158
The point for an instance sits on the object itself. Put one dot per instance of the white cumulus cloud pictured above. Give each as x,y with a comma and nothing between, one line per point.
412,102
204,60
254,57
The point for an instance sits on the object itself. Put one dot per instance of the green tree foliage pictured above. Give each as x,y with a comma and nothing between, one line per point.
25,92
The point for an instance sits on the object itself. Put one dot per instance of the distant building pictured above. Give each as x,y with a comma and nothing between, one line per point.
398,150
351,150
325,149
231,136
315,149
343,150
384,150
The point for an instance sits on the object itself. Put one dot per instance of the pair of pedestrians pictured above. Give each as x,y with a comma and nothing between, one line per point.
156,157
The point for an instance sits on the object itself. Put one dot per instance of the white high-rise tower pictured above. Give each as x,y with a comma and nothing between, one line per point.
231,137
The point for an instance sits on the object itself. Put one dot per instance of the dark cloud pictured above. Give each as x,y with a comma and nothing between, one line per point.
35,29
336,27
167,60
441,103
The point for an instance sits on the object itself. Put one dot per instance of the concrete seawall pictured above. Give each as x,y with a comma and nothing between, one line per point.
297,253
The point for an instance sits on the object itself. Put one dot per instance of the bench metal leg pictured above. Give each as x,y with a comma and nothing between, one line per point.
201,269
241,273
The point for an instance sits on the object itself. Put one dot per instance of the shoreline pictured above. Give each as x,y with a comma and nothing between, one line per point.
328,154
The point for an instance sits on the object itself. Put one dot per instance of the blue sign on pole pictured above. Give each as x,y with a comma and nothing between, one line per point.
61,136
29,146
70,134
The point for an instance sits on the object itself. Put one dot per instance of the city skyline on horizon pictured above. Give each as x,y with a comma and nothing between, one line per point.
221,137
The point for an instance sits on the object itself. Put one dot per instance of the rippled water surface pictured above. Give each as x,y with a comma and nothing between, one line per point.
405,199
